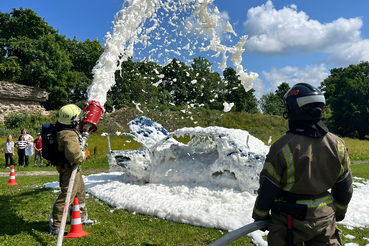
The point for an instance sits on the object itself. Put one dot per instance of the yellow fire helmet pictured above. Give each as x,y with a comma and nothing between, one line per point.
70,114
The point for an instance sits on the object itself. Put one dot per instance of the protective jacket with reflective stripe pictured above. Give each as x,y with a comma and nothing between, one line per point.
69,143
308,166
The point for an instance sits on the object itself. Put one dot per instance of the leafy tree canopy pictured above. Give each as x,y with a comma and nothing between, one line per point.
272,103
347,95
235,92
33,53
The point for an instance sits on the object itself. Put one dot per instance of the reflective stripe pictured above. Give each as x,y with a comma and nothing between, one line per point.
316,202
271,170
290,168
341,207
341,151
76,221
340,155
75,207
261,213
347,164
301,101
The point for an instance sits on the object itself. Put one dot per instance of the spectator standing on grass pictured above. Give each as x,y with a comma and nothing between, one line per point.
306,180
37,144
21,145
9,150
29,149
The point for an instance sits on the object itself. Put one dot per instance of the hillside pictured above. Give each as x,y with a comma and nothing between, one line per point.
260,126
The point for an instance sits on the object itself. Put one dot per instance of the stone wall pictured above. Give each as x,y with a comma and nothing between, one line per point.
16,97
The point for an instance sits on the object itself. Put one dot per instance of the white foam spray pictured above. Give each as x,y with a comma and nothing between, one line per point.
141,24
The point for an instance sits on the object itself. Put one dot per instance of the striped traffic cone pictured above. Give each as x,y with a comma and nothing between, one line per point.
76,224
12,177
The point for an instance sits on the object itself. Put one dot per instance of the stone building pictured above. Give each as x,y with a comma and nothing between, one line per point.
16,97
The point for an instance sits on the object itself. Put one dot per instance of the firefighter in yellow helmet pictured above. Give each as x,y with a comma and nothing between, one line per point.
299,170
69,141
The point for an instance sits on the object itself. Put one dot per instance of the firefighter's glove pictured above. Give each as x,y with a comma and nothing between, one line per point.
339,217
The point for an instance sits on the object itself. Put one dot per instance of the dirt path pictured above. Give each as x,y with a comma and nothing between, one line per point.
46,173
360,162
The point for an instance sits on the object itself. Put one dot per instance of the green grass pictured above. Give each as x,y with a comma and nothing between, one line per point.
26,207
25,210
358,149
360,170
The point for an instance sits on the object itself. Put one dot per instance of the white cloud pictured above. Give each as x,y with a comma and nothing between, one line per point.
287,31
348,53
259,88
313,75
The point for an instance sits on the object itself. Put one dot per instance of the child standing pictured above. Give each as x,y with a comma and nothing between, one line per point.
37,144
21,145
9,150
29,149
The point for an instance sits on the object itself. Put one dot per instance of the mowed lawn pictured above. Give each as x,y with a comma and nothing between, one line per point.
25,210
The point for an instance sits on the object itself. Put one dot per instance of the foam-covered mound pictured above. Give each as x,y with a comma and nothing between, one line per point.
230,158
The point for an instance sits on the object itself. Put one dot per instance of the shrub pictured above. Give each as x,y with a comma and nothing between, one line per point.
15,122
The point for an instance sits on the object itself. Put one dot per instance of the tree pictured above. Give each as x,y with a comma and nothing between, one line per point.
347,95
135,83
235,92
272,103
177,81
207,84
23,23
34,54
83,56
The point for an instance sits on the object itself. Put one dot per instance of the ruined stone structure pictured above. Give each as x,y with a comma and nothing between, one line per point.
16,97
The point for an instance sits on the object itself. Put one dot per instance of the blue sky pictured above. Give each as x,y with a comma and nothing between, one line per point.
289,41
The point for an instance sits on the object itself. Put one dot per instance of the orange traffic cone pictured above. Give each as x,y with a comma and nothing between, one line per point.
12,177
76,224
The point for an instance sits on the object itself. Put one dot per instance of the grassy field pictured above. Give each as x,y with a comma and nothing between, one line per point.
25,208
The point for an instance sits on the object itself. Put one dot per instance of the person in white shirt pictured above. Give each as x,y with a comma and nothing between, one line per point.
29,150
9,150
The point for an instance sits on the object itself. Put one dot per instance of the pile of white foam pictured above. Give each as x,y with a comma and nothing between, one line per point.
226,158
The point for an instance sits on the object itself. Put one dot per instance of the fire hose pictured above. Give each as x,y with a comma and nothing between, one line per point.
240,232
66,205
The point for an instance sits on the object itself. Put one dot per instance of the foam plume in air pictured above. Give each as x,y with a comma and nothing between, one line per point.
159,31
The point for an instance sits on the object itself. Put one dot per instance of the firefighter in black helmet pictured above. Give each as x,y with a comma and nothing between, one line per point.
300,169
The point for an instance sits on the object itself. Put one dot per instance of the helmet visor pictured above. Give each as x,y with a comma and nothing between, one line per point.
301,101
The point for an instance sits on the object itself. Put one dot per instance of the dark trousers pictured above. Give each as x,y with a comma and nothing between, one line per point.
21,156
26,157
78,191
7,157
